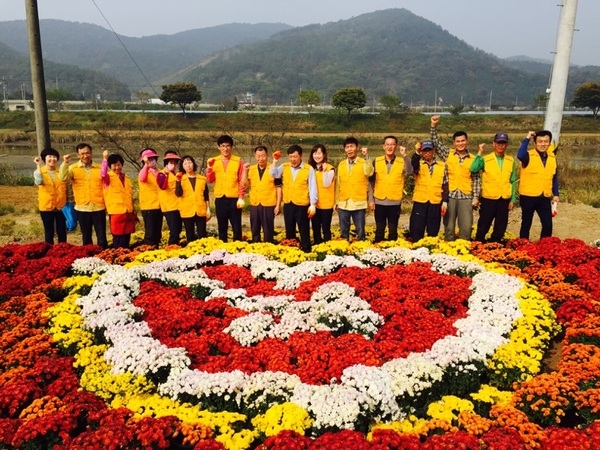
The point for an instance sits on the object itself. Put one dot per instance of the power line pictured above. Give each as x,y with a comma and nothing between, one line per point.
126,50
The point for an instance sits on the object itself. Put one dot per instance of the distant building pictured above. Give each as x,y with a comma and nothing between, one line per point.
19,105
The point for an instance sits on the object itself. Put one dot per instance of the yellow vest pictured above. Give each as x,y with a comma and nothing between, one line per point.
226,181
389,185
326,195
495,183
192,201
295,191
52,194
459,177
536,179
118,196
428,187
149,192
166,197
87,185
352,184
262,190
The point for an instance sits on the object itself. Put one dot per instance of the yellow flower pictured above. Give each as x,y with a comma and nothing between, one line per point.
286,416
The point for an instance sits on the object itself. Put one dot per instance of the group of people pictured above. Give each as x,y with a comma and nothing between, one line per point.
449,184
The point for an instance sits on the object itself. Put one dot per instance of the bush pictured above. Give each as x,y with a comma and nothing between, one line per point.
9,177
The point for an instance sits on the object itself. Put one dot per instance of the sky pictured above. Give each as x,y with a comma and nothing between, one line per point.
501,27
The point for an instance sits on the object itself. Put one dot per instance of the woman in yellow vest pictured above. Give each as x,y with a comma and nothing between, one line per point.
149,179
430,197
325,176
52,195
169,202
192,190
118,198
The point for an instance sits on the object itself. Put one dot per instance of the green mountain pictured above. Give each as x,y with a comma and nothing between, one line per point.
392,51
15,73
158,56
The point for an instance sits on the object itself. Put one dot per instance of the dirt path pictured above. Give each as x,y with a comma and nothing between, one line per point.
573,220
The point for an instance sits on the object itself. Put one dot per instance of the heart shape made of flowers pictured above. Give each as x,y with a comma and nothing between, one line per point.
377,392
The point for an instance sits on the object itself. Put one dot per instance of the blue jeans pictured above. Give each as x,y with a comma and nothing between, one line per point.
358,217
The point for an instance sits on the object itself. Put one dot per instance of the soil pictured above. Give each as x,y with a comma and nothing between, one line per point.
577,221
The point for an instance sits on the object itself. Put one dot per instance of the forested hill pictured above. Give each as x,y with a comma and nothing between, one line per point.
93,47
80,83
390,51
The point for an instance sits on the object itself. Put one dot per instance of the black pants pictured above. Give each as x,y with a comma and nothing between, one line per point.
543,207
387,215
492,211
425,217
262,217
153,219
121,240
321,225
195,228
174,223
54,220
96,219
297,215
227,212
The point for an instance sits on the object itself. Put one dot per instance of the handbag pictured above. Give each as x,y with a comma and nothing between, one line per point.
70,215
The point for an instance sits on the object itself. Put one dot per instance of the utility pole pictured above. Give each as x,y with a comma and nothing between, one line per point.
560,69
42,127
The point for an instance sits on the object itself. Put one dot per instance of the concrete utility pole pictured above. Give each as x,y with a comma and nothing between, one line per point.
42,127
560,68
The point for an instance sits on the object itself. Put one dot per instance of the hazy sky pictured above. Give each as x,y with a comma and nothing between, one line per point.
501,27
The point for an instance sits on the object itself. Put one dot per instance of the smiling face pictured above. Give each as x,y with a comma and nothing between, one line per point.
389,148
351,150
427,155
226,150
460,143
117,167
51,161
318,156
542,143
295,159
500,148
85,155
261,158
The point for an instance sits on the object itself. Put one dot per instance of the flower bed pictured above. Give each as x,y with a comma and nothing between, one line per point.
354,346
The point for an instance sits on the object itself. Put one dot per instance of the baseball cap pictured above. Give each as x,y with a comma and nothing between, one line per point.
427,145
501,137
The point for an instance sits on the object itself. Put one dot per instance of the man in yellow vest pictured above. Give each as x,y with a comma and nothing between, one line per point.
388,187
352,189
464,186
88,192
265,195
226,172
299,194
498,188
430,197
538,186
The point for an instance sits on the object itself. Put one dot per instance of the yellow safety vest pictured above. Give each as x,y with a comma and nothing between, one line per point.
192,201
326,195
459,176
495,183
118,196
52,193
149,192
352,184
295,191
87,185
536,179
428,187
262,190
389,185
166,197
226,181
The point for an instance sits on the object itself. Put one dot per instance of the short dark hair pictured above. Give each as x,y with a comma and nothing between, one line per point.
191,158
351,140
390,137
82,145
225,139
48,151
115,158
311,160
294,148
459,134
261,148
542,133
